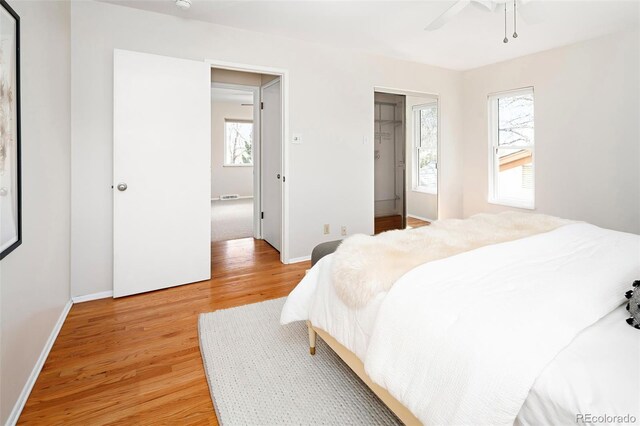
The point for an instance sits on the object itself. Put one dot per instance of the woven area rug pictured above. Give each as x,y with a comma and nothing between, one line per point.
261,373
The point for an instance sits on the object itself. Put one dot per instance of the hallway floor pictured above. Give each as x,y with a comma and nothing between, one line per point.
231,219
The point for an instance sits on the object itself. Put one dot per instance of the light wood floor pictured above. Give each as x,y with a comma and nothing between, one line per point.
136,360
387,223
412,222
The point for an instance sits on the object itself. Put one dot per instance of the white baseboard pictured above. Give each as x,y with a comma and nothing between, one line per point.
94,296
26,390
299,259
420,218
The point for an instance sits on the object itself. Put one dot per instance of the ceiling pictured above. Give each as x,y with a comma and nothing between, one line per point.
396,28
223,94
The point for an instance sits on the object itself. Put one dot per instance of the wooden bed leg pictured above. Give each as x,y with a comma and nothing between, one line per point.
312,339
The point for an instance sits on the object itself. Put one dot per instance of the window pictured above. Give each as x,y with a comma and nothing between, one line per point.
511,146
425,148
238,143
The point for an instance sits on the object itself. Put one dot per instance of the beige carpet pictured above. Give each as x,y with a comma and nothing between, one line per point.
231,219
261,373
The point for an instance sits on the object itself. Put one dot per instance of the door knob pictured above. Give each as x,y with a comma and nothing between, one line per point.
278,176
122,187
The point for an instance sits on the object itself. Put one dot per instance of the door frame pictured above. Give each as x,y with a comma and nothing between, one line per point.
257,150
284,87
415,93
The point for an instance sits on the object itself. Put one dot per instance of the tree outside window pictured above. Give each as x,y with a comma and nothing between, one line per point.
512,142
238,143
426,148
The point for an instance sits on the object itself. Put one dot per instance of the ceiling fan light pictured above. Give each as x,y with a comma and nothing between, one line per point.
183,4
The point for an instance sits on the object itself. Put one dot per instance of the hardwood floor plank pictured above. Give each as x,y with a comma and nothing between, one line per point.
412,222
387,223
136,360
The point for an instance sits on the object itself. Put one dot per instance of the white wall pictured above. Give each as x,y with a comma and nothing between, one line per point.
227,180
419,204
586,122
34,279
330,176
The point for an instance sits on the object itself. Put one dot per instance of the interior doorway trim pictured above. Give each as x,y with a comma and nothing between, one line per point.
418,93
284,78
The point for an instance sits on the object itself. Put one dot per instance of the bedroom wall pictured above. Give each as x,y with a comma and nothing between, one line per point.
587,99
34,280
330,104
227,180
419,204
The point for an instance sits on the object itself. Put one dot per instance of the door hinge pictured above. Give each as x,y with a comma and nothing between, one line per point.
261,105
261,215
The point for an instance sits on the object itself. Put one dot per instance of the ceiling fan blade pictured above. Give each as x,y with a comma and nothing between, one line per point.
447,15
489,4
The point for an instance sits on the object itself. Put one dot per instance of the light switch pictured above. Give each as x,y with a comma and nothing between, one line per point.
297,138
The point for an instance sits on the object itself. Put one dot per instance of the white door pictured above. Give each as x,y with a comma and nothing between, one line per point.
161,172
272,163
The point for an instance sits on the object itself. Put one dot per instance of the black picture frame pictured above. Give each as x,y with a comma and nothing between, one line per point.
16,160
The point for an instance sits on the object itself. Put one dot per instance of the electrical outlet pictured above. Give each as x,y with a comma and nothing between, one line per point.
343,231
327,230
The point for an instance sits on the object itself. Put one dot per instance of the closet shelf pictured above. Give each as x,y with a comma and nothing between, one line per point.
389,199
388,121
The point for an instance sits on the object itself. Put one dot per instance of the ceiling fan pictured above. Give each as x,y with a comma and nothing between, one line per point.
518,6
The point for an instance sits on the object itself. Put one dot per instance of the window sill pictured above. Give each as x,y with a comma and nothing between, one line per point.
424,191
237,165
513,203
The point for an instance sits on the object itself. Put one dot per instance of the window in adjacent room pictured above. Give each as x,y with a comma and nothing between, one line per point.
511,145
238,143
425,148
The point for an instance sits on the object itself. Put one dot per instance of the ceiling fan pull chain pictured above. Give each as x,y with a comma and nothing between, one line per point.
506,40
515,34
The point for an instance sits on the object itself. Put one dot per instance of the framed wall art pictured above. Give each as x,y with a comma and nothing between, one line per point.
10,185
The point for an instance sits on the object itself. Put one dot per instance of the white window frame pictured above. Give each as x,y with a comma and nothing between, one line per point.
494,166
224,143
415,161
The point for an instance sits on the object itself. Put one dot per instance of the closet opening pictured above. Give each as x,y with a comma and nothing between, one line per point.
406,143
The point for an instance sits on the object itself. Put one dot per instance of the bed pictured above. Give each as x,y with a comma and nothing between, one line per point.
529,331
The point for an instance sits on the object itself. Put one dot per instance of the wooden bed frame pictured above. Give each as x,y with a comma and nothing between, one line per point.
357,366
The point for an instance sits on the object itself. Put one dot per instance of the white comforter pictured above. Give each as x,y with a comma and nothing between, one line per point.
462,340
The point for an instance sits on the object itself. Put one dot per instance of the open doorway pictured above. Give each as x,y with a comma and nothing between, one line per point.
156,112
389,165
246,157
405,160
233,137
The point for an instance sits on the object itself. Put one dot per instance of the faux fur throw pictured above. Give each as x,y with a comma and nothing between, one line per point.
364,266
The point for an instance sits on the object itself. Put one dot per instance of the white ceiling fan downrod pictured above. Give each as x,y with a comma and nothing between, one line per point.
515,33
505,40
